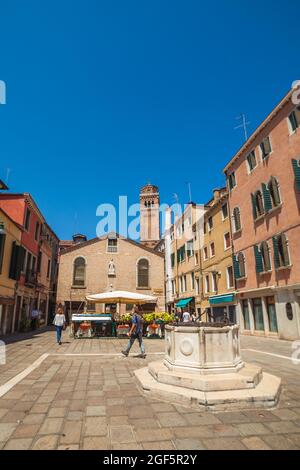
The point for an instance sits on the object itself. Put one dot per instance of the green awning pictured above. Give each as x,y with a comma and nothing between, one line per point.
184,302
221,299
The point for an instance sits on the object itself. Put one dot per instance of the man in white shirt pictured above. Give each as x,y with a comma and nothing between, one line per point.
186,317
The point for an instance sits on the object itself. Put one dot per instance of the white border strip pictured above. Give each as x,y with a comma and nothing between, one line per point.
14,381
295,361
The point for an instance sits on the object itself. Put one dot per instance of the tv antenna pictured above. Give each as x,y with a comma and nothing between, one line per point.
8,170
244,124
190,191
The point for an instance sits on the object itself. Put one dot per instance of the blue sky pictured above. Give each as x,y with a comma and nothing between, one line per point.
103,96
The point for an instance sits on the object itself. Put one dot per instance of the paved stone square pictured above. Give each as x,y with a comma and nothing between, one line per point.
83,395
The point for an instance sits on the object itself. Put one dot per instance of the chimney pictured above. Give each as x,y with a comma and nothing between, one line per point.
217,193
79,238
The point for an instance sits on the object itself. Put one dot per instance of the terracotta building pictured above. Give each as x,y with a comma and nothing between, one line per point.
33,260
218,298
264,197
10,235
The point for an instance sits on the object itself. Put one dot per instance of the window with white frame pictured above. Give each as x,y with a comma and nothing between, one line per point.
227,240
184,283
192,281
190,248
112,245
294,119
205,253
207,288
224,211
197,286
265,147
212,249
231,180
236,216
230,279
251,160
210,223
214,282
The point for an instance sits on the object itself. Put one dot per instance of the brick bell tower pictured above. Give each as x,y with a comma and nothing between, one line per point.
149,218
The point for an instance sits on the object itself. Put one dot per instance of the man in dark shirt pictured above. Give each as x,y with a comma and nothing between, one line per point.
136,332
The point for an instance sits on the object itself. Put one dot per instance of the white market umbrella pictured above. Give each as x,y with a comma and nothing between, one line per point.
121,296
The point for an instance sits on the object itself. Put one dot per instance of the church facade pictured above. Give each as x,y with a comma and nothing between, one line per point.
113,262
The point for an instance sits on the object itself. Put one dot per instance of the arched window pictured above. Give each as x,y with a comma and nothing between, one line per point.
236,219
143,273
265,253
259,205
241,262
79,272
274,191
282,244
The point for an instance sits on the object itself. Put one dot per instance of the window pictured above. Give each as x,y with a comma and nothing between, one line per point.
224,211
230,280
296,168
242,266
48,268
181,254
192,281
227,241
79,272
184,284
37,229
2,245
190,248
265,254
205,253
197,286
196,258
265,148
143,273
207,288
274,192
212,249
258,205
172,260
294,119
251,159
236,215
173,287
27,219
231,181
39,262
214,282
239,266
112,245
258,315
246,317
272,317
281,252
210,223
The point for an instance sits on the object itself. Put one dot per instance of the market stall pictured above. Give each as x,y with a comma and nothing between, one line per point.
87,325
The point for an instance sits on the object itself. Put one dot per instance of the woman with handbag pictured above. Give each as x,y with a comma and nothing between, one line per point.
59,322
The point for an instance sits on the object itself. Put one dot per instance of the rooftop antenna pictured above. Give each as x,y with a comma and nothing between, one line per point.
244,124
175,196
8,170
190,191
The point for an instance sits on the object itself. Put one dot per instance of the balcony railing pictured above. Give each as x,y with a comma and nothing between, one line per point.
30,277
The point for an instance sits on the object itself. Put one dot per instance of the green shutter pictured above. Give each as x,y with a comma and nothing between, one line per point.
13,262
276,253
296,168
267,197
183,253
258,260
178,256
20,261
236,267
2,245
254,206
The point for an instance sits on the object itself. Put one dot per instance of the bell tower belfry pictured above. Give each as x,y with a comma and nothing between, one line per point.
149,218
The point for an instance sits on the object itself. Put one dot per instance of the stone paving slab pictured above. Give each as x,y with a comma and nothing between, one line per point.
93,402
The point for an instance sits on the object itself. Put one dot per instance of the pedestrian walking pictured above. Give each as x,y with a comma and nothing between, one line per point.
136,332
186,317
59,322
